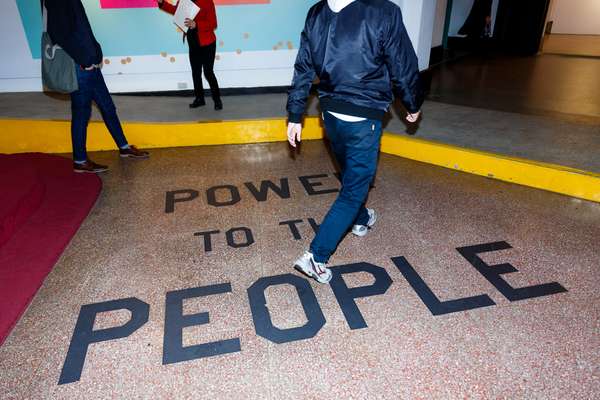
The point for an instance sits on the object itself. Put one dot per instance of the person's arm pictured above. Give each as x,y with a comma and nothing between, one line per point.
166,6
304,75
403,66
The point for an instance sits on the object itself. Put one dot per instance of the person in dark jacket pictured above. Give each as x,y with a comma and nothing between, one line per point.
362,55
68,26
203,48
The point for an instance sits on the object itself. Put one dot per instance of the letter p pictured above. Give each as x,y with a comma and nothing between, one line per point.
84,333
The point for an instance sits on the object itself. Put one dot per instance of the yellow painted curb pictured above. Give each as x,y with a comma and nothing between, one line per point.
18,136
551,177
22,136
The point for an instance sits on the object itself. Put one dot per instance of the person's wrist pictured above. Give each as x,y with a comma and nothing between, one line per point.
295,118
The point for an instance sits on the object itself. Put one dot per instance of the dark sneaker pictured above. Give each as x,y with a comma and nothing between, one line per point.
133,152
218,105
89,167
198,103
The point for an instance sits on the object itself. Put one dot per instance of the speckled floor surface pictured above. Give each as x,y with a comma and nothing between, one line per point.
543,347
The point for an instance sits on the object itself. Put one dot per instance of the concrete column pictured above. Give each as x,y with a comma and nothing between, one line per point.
419,19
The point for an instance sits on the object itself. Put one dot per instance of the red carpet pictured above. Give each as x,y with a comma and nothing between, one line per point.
42,204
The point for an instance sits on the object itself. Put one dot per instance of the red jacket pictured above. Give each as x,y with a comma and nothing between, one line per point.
206,20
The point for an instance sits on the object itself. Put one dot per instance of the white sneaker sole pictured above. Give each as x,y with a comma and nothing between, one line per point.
311,274
357,231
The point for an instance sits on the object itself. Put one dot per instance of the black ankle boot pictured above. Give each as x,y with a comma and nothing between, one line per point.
218,105
198,103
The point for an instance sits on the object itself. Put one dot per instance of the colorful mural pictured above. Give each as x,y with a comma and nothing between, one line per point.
152,3
142,29
127,3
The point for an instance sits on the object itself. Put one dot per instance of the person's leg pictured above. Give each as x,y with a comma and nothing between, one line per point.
107,109
360,141
339,151
362,218
81,110
208,63
196,65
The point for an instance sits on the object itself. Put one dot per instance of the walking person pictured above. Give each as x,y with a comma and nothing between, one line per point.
202,43
68,26
362,54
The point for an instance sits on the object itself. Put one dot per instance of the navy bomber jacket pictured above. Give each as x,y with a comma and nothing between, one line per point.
362,56
68,26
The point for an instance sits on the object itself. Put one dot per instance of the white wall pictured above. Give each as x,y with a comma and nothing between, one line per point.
438,24
419,17
460,12
20,72
428,17
581,17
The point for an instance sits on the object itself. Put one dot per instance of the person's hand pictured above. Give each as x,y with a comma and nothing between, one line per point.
159,2
190,23
412,118
294,133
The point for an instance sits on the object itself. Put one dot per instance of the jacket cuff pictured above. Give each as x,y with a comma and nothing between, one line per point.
295,118
412,109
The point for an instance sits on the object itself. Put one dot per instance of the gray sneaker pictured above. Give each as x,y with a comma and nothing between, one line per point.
362,230
309,267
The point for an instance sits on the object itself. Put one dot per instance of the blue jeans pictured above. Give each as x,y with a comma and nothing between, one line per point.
356,149
92,87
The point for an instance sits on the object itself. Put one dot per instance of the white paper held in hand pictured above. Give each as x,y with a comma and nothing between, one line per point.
185,9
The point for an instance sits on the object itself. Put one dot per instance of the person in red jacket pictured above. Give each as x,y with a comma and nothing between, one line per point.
203,46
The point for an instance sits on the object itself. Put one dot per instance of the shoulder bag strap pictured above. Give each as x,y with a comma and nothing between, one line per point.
44,17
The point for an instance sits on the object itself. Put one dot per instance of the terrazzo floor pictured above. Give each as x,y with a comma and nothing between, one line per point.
137,244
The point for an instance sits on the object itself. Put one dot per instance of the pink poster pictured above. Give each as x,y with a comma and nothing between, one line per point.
225,2
127,3
152,3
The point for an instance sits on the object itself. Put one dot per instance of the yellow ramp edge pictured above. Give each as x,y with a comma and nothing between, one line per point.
19,136
22,136
539,175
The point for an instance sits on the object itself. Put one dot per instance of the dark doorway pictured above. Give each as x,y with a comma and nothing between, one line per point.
520,25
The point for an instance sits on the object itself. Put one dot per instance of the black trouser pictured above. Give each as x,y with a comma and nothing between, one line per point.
203,57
